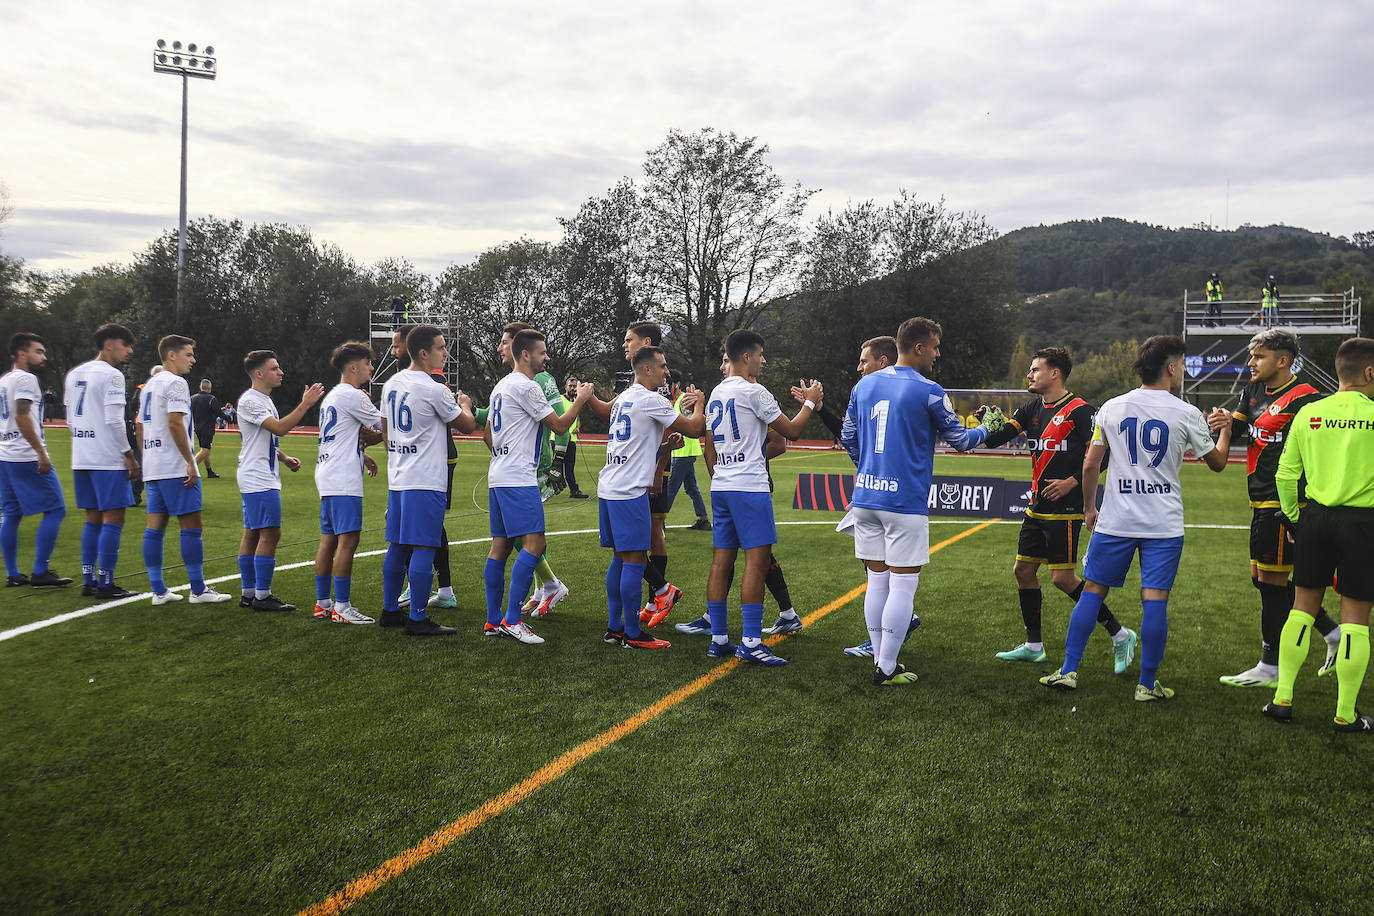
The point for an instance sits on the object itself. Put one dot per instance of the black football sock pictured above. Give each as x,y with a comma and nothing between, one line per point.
441,569
1324,623
1031,599
777,586
653,573
1275,603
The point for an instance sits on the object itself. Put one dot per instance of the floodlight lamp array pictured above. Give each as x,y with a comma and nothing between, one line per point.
187,60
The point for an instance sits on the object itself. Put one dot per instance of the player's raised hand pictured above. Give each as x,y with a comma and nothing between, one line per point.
813,392
464,401
1218,418
690,397
978,414
585,392
312,394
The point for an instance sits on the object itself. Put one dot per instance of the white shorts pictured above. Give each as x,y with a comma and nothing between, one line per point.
895,538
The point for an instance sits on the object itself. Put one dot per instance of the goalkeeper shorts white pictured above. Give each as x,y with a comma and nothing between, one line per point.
895,538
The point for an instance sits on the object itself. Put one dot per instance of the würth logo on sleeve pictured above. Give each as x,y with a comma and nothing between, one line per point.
1314,422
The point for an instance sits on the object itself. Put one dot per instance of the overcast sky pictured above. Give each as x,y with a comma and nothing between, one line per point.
432,131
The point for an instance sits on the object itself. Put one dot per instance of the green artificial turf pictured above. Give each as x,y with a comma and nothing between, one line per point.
209,759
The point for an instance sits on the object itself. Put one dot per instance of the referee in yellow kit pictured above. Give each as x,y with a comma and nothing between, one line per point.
1331,442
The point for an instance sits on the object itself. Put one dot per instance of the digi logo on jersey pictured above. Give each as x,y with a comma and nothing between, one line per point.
1265,436
1047,445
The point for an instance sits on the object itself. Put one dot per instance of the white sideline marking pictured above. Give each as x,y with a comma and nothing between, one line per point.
97,608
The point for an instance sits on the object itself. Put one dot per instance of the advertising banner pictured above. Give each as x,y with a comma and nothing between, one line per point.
967,497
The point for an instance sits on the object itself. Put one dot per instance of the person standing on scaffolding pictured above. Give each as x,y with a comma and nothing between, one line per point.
1269,303
1213,301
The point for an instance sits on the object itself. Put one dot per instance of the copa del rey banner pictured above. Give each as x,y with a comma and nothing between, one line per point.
967,497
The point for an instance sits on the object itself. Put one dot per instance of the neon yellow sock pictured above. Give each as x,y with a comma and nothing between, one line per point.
1351,662
1293,643
543,572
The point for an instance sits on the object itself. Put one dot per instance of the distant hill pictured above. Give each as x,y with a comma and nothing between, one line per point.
1089,283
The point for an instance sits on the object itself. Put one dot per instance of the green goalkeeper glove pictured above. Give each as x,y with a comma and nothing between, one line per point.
994,420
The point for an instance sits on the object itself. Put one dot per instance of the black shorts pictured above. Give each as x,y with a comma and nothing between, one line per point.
1052,541
205,435
658,503
1270,549
1335,540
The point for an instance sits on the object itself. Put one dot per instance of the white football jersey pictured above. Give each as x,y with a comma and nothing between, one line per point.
339,465
94,396
417,410
1147,432
737,418
166,399
518,408
258,468
18,385
638,419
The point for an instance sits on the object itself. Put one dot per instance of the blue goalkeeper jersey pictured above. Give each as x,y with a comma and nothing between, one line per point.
894,417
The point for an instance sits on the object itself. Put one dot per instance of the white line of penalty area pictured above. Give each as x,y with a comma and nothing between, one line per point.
97,608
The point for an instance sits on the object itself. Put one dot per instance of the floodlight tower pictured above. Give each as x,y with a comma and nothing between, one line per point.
184,62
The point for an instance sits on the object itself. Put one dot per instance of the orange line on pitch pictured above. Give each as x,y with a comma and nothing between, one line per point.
447,835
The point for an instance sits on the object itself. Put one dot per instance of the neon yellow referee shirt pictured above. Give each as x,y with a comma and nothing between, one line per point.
1331,441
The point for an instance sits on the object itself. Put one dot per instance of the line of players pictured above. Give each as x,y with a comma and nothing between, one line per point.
1153,431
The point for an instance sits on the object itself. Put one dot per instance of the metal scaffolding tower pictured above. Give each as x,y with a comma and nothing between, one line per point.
383,327
1218,335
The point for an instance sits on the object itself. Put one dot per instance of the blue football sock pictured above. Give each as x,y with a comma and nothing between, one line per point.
193,555
9,543
263,567
1154,634
107,555
90,552
322,586
46,539
343,589
521,578
421,578
152,558
394,576
631,591
247,581
494,578
1081,624
613,602
753,620
720,623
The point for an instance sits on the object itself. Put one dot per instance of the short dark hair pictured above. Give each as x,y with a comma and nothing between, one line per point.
740,342
420,338
1352,357
917,331
172,342
1155,353
112,331
1055,358
884,347
404,330
515,327
643,356
1278,340
22,340
523,342
350,352
256,359
649,330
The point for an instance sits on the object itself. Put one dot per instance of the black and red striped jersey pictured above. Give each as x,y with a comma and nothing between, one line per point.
1057,435
1264,414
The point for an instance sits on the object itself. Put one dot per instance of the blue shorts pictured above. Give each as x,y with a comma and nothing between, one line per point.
1109,559
515,511
742,519
262,510
103,489
625,523
341,514
23,491
172,497
415,517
